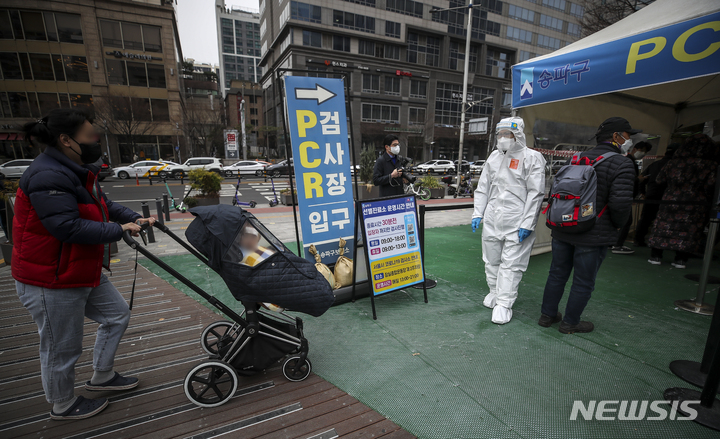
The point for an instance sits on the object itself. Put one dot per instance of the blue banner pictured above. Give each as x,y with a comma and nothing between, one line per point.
321,158
680,51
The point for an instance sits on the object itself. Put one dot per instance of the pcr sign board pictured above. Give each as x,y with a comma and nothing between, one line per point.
321,159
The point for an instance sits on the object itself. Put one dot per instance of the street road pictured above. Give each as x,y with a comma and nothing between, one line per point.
129,194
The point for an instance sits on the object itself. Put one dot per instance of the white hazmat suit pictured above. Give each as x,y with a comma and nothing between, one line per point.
508,198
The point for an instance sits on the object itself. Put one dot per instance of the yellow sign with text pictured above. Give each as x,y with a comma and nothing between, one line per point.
396,272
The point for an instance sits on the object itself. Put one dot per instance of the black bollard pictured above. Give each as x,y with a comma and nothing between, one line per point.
150,178
166,206
146,214
182,178
158,205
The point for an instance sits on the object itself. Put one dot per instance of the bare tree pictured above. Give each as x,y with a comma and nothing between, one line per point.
204,123
125,116
600,14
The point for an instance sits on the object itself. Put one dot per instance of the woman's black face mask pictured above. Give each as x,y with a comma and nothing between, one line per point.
89,152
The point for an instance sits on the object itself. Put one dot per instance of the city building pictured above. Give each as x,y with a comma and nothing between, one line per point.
255,130
238,44
404,63
118,59
203,112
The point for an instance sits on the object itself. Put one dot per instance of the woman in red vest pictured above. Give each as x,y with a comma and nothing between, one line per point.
62,230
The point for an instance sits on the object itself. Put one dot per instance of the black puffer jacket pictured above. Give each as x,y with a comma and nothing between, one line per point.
615,180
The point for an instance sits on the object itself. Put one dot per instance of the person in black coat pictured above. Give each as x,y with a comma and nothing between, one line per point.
584,252
386,173
653,191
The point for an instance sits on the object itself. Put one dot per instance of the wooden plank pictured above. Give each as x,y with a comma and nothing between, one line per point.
160,347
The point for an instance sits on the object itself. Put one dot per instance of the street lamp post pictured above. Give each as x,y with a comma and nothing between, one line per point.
465,105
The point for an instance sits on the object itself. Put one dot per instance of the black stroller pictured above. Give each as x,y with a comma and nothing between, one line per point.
263,275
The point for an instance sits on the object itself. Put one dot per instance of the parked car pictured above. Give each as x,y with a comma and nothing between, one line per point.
245,167
144,168
465,166
278,169
439,166
477,166
14,168
209,163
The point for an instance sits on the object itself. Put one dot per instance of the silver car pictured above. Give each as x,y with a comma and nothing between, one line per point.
14,168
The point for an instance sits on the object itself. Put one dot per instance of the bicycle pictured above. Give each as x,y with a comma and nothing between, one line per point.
422,192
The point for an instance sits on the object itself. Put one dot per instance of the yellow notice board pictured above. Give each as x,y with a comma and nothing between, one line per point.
392,244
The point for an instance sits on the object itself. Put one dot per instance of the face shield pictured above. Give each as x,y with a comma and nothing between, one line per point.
510,133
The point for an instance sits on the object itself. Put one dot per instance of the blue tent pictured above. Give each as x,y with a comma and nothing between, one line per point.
658,68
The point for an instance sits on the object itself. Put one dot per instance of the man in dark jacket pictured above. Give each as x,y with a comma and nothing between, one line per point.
386,173
584,252
638,152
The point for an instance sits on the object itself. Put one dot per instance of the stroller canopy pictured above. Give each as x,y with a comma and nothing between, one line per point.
254,264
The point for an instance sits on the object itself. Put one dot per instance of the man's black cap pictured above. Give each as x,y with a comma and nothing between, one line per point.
615,125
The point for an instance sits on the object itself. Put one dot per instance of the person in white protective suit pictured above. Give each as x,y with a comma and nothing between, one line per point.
507,201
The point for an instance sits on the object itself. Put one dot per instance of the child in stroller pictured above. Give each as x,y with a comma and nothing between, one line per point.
258,269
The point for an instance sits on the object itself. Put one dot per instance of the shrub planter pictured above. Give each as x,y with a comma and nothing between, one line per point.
208,201
374,192
288,200
437,192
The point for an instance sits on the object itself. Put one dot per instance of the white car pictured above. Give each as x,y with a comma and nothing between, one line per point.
438,166
250,167
209,163
14,168
477,167
145,168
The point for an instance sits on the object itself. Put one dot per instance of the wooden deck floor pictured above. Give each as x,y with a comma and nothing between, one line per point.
160,347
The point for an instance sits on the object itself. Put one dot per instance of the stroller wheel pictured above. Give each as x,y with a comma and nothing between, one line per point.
218,335
211,384
294,371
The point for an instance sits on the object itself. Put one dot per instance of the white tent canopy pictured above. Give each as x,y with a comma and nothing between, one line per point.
658,68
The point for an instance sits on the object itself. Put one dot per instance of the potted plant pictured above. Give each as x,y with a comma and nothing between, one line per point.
190,202
432,183
8,189
208,183
365,174
286,198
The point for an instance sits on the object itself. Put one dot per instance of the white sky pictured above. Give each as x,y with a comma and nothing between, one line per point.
196,23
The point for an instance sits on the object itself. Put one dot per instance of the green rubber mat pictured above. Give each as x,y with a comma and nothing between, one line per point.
443,370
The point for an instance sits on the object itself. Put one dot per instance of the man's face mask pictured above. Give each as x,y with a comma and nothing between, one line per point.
625,147
639,154
395,149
